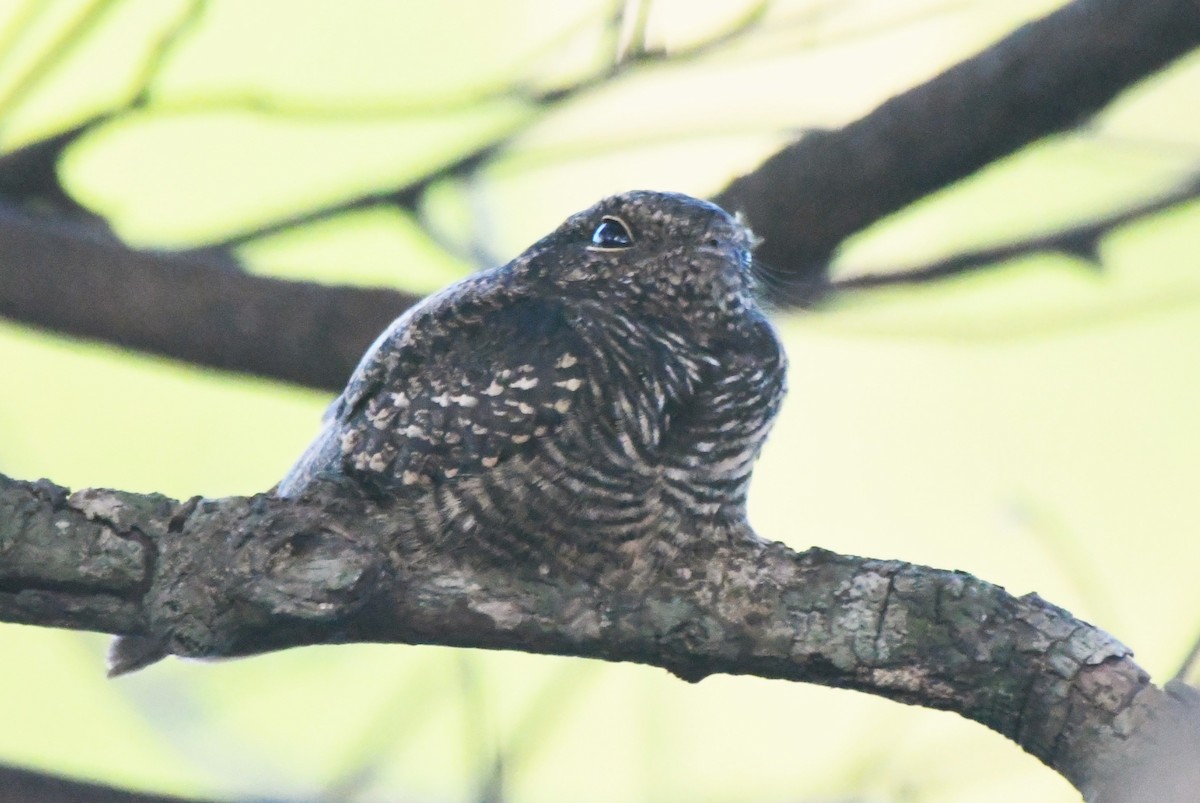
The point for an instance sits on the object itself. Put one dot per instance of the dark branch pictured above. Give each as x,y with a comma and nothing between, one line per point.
805,201
1044,78
237,576
29,179
27,786
29,175
1081,241
186,306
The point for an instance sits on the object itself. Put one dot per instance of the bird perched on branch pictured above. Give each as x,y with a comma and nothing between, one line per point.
611,384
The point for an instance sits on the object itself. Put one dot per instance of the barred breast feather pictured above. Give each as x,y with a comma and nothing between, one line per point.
615,380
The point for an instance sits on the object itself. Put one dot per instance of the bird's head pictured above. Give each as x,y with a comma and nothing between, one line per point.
663,253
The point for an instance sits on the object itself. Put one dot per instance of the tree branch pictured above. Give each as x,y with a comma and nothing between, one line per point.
29,174
408,196
1046,77
1081,241
28,786
237,576
804,201
66,39
186,306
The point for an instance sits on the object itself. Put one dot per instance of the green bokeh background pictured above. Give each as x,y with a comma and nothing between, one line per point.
1034,425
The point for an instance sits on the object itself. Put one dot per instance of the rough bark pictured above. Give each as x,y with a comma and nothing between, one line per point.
237,576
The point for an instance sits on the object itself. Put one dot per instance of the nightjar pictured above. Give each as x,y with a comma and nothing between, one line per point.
609,387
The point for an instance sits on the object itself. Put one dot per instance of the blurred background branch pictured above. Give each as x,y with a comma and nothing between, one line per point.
804,201
1079,241
19,785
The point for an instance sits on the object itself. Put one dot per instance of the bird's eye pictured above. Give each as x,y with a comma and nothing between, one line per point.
612,233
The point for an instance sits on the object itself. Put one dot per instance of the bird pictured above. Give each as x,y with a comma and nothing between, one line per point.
596,399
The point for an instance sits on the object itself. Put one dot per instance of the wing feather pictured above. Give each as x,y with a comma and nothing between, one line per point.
454,391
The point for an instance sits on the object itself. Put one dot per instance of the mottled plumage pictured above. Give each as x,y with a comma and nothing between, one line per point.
612,383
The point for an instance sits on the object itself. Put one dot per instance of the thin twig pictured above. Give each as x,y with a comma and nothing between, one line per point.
162,49
1185,668
409,195
1081,241
29,175
54,53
